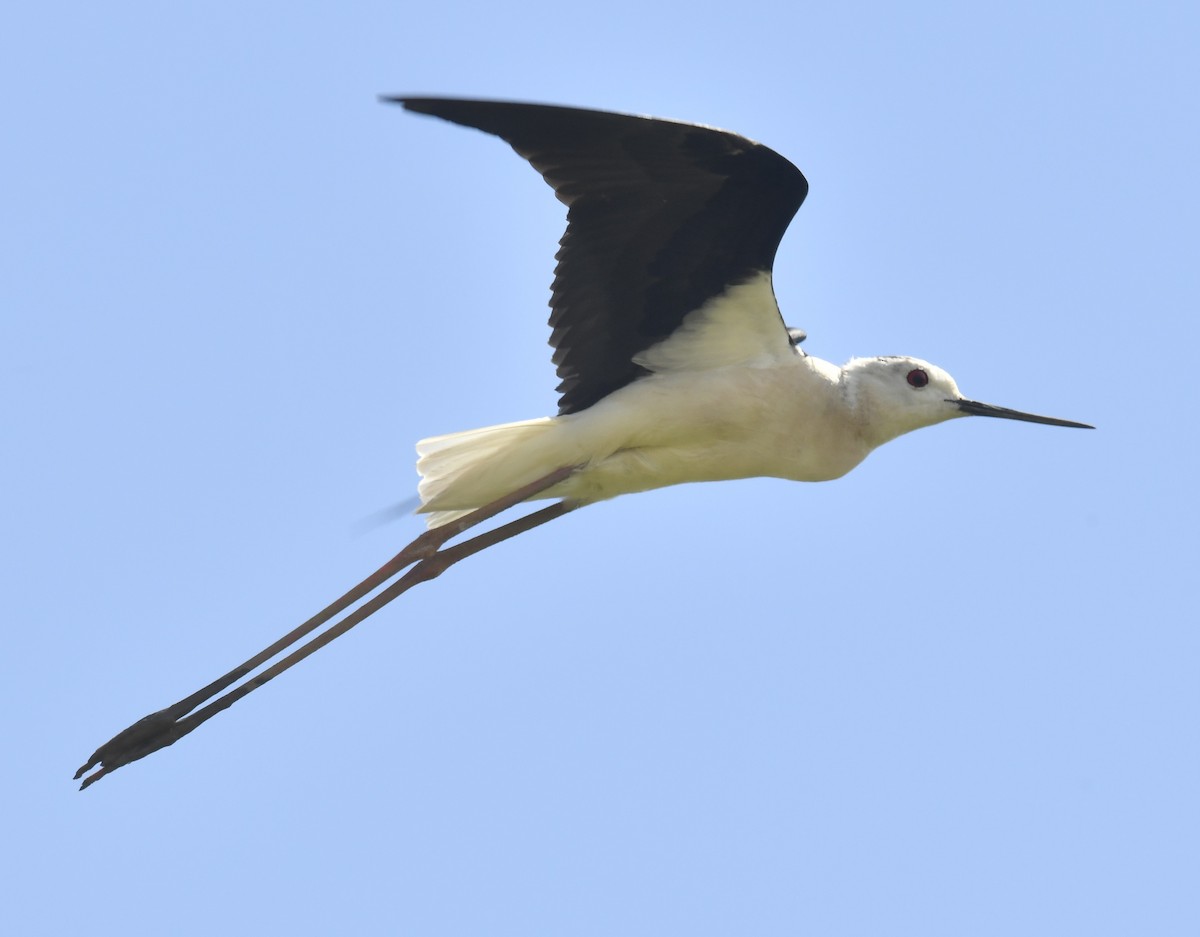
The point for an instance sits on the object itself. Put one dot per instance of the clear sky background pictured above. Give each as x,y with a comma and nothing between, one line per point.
953,693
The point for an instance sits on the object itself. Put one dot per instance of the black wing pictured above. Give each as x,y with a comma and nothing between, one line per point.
662,216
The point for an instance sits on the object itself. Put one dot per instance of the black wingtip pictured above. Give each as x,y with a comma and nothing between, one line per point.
411,102
433,107
423,105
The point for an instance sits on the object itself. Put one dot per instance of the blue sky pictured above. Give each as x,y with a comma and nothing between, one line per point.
952,693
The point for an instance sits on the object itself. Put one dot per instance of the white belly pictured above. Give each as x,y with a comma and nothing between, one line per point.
787,421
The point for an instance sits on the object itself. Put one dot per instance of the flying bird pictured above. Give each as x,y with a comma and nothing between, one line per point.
674,362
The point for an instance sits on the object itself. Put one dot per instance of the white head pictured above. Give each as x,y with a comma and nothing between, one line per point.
895,395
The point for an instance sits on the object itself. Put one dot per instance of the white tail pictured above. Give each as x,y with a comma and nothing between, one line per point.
462,471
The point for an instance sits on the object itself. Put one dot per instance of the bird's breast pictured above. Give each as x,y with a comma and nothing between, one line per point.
788,421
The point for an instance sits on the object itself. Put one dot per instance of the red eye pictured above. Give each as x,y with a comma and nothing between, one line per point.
917,377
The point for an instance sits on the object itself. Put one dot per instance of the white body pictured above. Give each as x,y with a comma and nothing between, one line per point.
728,397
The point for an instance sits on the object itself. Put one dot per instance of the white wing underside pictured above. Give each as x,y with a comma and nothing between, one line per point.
739,328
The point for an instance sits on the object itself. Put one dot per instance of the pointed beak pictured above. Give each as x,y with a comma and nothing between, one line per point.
975,408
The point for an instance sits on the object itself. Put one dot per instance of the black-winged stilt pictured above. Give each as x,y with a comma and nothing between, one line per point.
675,364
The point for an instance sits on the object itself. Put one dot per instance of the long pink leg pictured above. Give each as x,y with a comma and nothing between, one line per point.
167,726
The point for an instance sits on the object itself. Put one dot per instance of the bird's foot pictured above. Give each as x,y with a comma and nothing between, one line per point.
145,736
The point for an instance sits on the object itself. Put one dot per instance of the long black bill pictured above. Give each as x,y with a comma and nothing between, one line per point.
975,408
